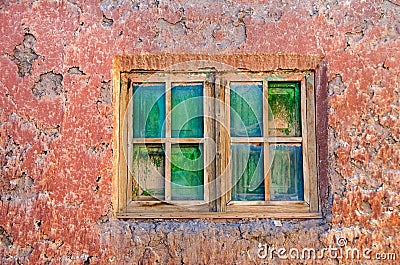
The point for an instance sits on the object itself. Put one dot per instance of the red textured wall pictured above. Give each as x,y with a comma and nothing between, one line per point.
56,126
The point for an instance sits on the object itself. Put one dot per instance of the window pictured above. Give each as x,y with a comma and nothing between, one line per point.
220,136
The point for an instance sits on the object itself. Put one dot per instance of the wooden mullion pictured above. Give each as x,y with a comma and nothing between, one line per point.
227,152
266,171
148,140
167,173
206,147
123,138
209,135
285,139
129,118
222,142
311,143
247,139
116,181
303,108
187,140
219,131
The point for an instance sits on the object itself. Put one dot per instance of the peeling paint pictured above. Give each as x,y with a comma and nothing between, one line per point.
56,159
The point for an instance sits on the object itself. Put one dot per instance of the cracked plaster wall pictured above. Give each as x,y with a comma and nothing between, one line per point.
56,125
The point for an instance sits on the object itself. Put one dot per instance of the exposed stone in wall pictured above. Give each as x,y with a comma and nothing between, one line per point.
5,238
106,93
11,253
203,242
75,71
25,55
56,126
50,84
336,86
107,22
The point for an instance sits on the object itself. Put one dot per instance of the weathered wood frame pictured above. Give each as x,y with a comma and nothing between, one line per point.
167,205
299,67
307,141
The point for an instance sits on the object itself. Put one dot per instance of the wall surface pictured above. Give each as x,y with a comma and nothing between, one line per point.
56,127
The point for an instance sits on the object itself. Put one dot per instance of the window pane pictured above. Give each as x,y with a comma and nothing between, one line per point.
286,172
187,174
247,172
187,110
148,170
149,110
246,109
284,101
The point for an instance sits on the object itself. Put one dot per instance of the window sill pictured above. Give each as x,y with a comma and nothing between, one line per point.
275,210
213,215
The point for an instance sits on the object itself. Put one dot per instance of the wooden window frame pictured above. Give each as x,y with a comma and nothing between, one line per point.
161,207
264,68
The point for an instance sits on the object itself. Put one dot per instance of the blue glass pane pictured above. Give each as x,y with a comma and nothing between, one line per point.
187,173
246,109
149,110
247,172
286,172
187,110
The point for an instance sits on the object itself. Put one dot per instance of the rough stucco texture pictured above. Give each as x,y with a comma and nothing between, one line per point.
56,126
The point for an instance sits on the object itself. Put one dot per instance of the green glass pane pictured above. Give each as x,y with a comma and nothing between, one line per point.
286,172
246,109
148,170
187,110
284,101
247,172
149,110
187,174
